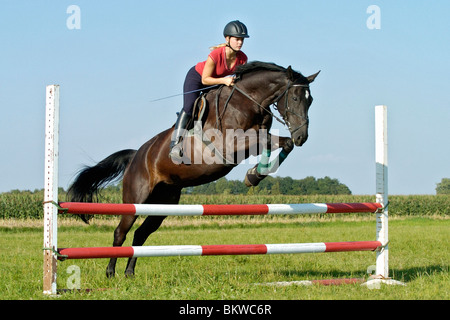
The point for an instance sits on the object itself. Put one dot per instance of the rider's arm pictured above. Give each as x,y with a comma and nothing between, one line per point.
209,80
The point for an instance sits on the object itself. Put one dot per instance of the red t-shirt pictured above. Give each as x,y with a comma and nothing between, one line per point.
219,58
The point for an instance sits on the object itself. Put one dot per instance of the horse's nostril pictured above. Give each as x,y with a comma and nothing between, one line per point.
300,140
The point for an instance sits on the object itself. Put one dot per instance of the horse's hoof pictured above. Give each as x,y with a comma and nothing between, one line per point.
253,178
129,274
110,274
86,217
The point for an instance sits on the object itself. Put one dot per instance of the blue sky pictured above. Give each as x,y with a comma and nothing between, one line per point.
128,53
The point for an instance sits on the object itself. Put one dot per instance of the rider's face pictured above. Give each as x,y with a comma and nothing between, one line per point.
235,43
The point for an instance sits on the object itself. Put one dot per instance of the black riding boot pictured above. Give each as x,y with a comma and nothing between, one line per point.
176,146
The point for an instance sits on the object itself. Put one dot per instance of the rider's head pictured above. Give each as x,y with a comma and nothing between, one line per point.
235,32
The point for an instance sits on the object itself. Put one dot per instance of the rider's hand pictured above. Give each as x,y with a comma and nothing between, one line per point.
228,81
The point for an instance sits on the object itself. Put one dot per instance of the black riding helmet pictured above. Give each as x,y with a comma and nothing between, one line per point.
235,29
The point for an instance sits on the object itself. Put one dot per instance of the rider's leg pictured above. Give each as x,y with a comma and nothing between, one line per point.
192,84
176,148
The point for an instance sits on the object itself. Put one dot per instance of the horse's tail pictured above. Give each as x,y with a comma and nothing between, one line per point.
91,180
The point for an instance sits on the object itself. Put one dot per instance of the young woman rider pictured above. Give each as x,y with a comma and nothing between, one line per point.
221,63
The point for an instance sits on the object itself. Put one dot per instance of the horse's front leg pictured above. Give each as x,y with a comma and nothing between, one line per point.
265,167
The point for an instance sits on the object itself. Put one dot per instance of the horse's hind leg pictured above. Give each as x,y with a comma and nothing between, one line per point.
162,194
119,238
150,225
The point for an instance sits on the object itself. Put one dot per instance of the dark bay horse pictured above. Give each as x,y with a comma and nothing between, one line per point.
150,176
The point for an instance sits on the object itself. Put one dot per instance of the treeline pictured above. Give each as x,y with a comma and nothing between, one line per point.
268,186
273,186
443,187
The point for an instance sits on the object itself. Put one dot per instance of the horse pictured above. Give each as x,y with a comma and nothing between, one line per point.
150,176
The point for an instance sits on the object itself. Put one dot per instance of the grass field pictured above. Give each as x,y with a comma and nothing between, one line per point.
419,256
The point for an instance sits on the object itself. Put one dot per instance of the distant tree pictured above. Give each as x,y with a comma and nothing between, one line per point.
222,186
273,185
275,188
443,187
331,186
308,186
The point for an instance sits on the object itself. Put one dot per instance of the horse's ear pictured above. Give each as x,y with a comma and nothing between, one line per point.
312,77
290,73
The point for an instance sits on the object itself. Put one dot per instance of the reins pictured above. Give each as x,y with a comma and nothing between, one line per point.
181,94
275,103
262,107
235,87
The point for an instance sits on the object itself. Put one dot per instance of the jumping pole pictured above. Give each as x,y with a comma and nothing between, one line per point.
215,250
214,209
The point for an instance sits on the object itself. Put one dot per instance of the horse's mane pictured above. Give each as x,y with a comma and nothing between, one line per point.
261,66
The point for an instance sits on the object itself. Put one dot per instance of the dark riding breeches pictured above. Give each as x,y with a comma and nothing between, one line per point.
192,82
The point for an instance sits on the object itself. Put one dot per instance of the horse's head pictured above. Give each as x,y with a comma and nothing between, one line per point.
294,103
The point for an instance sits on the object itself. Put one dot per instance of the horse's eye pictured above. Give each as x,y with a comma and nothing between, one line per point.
295,98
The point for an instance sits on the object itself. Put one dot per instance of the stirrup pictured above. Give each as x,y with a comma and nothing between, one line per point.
176,143
176,150
176,153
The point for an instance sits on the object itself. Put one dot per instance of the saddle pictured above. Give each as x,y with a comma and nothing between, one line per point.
195,126
199,113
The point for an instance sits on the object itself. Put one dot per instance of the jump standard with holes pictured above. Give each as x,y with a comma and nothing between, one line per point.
52,207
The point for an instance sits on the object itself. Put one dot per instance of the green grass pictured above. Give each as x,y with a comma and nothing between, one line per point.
419,256
418,230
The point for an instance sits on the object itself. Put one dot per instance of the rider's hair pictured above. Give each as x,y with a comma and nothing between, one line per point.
218,46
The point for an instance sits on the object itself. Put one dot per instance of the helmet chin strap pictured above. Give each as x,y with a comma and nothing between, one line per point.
228,45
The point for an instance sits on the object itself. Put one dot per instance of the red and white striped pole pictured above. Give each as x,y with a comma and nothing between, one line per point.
207,210
215,250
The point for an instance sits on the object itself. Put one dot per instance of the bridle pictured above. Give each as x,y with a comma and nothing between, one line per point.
287,109
285,93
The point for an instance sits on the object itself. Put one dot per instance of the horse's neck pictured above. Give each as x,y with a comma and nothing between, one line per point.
256,91
264,88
